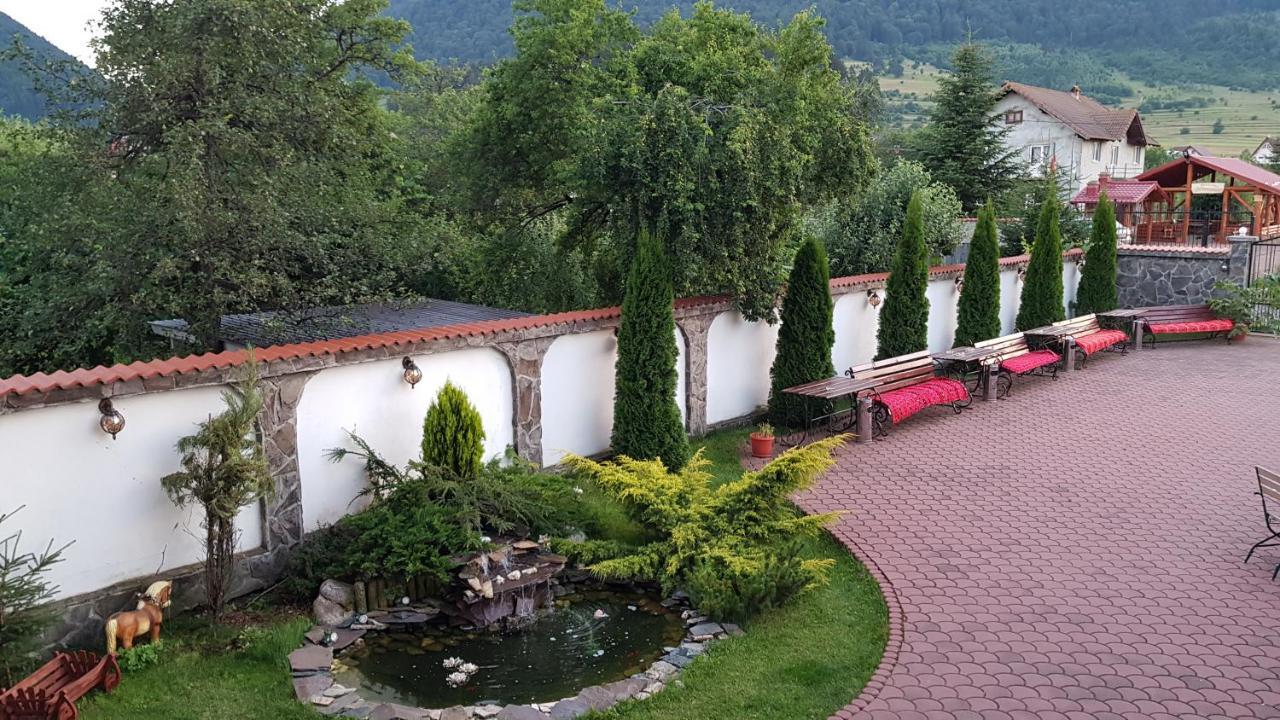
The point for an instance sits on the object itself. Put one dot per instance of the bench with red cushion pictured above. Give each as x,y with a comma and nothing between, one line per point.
1016,358
1087,335
906,385
1182,320
1092,342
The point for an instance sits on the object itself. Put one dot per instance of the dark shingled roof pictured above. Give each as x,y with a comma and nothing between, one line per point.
1089,118
266,329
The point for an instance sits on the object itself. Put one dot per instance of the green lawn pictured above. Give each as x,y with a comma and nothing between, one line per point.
801,662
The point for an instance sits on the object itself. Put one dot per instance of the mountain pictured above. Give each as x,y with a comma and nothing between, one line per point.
1159,41
17,97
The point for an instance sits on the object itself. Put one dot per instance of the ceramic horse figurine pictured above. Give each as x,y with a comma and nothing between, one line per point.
146,619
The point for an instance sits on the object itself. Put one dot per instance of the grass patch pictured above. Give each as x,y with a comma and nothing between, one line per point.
208,672
803,661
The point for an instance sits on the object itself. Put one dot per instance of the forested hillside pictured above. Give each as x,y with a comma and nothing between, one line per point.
17,97
1164,41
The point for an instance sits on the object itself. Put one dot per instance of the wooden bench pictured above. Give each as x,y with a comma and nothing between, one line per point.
1269,490
1154,322
1015,358
1086,335
51,692
904,386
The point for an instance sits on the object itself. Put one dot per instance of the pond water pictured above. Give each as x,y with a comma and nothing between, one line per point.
569,648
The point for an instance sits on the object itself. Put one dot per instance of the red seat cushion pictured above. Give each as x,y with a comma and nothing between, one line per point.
907,401
1100,340
1195,326
1030,361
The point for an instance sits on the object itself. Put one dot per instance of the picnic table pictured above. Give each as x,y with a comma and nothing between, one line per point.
826,396
964,361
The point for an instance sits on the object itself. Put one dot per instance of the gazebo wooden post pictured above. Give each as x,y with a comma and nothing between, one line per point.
1186,206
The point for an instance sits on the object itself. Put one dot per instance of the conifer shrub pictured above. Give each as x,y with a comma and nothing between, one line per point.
1097,292
806,335
1042,292
904,321
979,308
646,417
734,547
453,433
25,591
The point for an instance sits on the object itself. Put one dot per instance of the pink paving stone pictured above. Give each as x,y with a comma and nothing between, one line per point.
1094,525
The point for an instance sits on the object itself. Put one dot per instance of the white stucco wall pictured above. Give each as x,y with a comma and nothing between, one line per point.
943,305
739,355
577,393
856,325
1010,299
1070,281
373,401
76,483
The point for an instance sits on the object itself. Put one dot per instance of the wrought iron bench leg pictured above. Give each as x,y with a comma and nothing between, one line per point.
1265,542
1004,385
880,421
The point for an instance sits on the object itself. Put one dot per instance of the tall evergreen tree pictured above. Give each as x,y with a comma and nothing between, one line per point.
1042,291
979,312
904,321
963,144
1097,292
646,417
453,433
806,335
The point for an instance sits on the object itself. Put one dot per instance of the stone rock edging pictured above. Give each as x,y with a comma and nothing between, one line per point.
312,670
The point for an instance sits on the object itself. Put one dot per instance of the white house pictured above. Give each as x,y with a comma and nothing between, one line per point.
1082,137
1265,153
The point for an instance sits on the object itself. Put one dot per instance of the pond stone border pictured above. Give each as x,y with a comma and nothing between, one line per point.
312,667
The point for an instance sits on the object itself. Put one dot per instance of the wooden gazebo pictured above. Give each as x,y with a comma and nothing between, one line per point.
1194,200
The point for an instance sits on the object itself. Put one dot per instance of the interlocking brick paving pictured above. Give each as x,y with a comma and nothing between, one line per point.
1075,551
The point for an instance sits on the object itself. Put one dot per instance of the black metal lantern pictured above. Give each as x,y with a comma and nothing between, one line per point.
111,422
873,298
412,373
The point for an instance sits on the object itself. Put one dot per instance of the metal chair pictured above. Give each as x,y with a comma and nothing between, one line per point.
1269,491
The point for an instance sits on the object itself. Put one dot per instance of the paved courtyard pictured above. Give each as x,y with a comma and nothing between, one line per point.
1075,551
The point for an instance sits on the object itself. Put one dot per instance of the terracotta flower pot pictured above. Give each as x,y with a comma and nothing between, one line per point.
761,445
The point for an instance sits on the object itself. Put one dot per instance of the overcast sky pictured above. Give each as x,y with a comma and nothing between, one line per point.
64,23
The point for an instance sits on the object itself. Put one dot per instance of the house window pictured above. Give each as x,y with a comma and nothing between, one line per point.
1097,151
1038,154
1012,117
1137,154
1115,155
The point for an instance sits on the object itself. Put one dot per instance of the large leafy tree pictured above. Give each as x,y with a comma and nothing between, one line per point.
713,129
904,321
979,311
806,335
646,416
1097,291
963,144
1043,291
862,232
228,157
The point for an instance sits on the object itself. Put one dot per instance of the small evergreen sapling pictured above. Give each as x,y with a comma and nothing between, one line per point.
979,311
646,417
904,321
806,335
1042,291
453,433
24,592
1098,292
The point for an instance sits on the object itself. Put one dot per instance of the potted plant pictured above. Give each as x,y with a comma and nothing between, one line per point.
1236,304
762,441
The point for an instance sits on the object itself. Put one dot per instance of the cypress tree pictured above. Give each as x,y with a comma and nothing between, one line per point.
646,417
979,311
453,433
1097,292
904,321
806,335
1042,292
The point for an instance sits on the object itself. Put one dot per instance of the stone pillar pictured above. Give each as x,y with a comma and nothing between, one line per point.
1241,246
526,357
695,329
279,423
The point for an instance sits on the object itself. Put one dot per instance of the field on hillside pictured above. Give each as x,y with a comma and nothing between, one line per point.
1247,117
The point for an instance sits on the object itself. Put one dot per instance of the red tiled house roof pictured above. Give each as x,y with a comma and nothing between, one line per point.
1087,117
1124,192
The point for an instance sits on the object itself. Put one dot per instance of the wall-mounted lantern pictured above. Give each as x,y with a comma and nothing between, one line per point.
1225,266
412,373
1022,274
959,283
873,298
111,422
